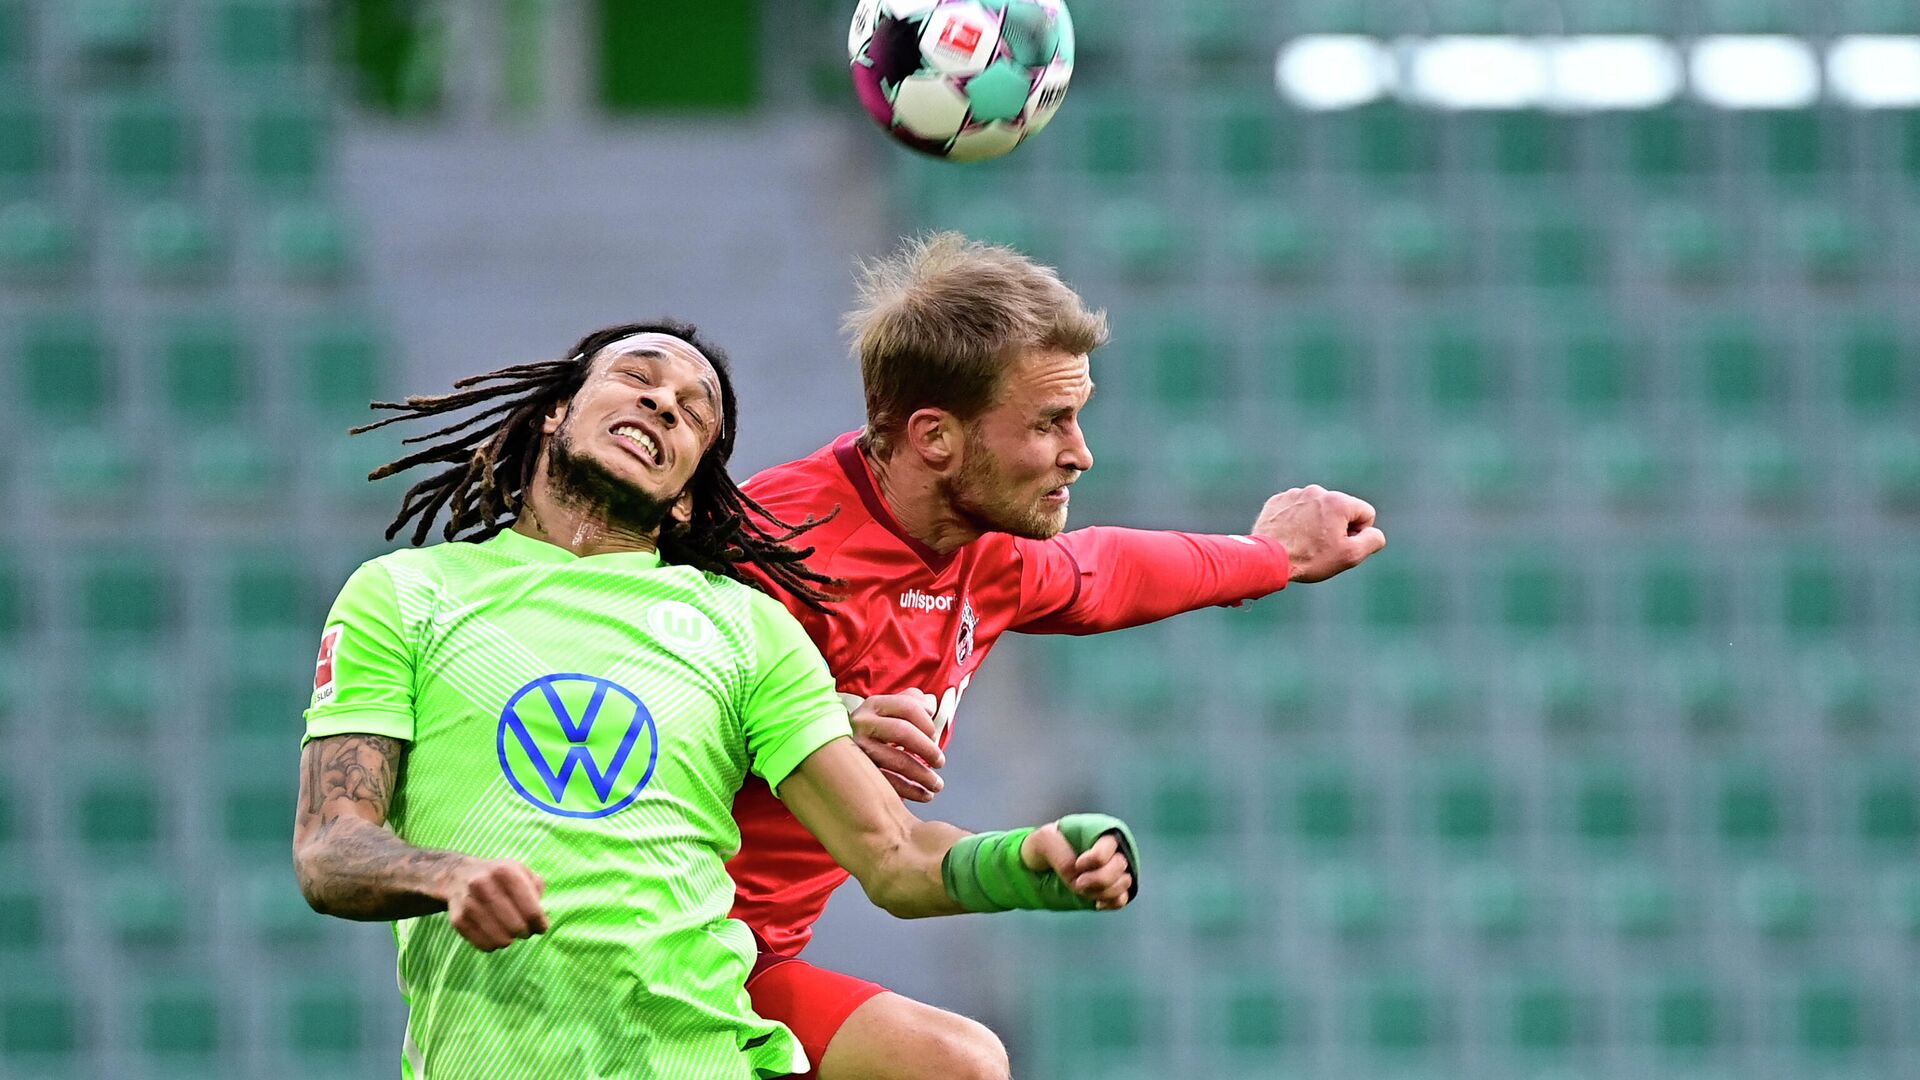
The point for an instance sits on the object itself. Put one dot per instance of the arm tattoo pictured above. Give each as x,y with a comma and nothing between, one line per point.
348,862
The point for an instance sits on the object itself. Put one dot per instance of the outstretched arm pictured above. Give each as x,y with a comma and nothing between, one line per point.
901,861
352,866
1092,580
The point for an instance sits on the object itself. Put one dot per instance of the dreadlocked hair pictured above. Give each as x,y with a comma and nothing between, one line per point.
490,457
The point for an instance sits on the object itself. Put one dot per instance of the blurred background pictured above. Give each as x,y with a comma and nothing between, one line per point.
1605,768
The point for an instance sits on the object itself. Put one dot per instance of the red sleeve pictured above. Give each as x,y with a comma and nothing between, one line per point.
1092,580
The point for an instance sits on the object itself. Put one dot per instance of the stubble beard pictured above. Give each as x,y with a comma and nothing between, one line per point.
585,484
971,493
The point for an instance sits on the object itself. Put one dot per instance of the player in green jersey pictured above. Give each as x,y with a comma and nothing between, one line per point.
534,733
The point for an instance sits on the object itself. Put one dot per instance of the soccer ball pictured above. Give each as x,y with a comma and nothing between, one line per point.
961,79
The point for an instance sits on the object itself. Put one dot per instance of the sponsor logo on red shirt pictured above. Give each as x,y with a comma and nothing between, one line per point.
915,600
961,37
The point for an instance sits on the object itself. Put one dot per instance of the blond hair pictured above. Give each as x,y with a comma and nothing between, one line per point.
941,320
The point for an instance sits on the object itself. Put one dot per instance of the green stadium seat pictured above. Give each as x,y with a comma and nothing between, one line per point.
26,922
265,38
1251,139
1899,903
324,1022
1818,599
1851,701
1487,469
1325,366
1570,699
15,36
118,818
1686,1017
64,368
207,365
1893,468
1776,902
1326,808
1137,239
1291,700
1102,1019
1887,814
1596,368
1630,471
346,465
42,1021
1119,142
285,147
273,909
1398,1016
230,466
1523,144
1834,1019
1793,146
1389,143
142,911
173,243
1213,904
309,245
90,468
1436,700
1606,808
1251,1014
1463,373
29,146
346,361
180,1019
1544,1018
1278,246
1670,595
1666,148
1492,904
1352,903
1874,375
1464,807
1557,249
1403,598
270,592
1635,903
1417,246
109,34
1182,804
39,243
18,610
123,689
1830,247
255,815
125,595
1766,471
1738,371
1688,246
1535,594
143,145
1748,811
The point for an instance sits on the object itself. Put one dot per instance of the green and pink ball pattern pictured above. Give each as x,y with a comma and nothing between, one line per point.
961,79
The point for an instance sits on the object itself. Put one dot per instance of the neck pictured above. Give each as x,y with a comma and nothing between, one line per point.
918,499
579,530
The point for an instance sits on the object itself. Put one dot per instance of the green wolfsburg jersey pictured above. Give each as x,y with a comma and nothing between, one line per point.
591,718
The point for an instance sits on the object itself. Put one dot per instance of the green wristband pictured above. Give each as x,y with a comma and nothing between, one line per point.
984,872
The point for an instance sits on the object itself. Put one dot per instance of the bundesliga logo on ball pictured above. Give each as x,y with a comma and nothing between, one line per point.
961,79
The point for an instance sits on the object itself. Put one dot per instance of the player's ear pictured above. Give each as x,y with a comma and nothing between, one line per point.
935,435
682,510
554,418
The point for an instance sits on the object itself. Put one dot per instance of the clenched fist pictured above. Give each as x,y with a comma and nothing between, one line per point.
897,732
1100,873
494,902
1323,531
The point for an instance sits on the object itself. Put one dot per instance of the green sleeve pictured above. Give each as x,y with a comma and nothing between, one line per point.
792,707
363,677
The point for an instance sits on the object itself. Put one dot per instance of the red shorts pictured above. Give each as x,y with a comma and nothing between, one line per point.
813,1001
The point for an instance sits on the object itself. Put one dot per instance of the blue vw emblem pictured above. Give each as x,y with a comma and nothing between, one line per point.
559,725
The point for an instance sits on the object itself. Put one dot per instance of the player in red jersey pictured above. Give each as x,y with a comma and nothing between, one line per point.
950,506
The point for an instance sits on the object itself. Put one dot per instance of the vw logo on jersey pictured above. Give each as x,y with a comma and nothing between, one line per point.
577,745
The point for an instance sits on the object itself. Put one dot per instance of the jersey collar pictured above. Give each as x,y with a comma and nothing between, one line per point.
846,450
524,548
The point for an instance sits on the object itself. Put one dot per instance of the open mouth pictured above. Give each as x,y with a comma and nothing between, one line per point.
1057,495
642,442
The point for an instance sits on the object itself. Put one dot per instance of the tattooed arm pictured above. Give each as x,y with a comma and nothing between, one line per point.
352,866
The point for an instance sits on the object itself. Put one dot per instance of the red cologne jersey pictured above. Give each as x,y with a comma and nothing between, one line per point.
908,617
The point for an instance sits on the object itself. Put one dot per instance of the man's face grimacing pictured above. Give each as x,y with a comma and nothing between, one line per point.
1021,453
633,435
